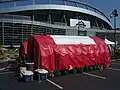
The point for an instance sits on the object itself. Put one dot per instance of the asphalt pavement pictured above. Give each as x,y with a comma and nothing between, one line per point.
108,79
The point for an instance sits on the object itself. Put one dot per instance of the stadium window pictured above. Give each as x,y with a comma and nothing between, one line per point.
41,1
60,2
23,3
6,5
82,1
82,6
70,3
56,18
91,9
82,33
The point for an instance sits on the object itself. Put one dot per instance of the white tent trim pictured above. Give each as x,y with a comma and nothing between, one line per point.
108,42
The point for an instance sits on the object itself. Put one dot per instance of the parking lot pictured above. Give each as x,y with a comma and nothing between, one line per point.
108,79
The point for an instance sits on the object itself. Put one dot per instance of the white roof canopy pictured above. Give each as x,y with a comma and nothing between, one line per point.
72,39
108,41
61,39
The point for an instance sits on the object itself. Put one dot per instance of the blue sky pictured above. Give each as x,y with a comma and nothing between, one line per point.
107,6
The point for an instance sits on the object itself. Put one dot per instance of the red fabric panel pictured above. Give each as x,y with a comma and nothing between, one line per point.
47,57
36,55
23,49
43,53
76,56
104,55
30,48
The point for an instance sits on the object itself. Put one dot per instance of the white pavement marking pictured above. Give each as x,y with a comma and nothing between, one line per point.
94,75
6,72
115,60
116,63
54,84
115,69
2,69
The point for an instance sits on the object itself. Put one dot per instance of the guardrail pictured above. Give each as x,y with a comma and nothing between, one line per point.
9,16
55,26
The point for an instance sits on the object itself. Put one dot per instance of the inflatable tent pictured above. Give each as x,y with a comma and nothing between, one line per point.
23,50
66,52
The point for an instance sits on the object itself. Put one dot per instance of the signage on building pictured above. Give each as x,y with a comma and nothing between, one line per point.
80,23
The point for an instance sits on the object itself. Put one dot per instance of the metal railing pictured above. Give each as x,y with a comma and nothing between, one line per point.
30,22
9,16
16,31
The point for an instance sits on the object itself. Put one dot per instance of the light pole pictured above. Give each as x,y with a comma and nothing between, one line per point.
114,14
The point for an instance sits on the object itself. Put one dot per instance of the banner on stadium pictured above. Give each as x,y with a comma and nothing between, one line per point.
80,23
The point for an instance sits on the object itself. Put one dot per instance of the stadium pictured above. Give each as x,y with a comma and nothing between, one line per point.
19,19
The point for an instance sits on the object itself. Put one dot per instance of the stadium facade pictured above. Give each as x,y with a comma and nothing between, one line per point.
19,19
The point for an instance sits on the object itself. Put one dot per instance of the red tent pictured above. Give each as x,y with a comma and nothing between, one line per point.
40,51
66,52
23,49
